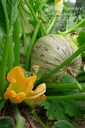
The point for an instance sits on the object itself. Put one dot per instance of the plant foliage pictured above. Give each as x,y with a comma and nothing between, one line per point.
22,22
6,123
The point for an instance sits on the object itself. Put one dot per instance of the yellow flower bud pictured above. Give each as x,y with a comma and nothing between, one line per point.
58,5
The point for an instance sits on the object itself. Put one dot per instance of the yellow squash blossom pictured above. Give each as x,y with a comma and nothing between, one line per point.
20,87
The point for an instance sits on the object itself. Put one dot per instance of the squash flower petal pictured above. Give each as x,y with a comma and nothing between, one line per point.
15,74
19,85
15,97
33,97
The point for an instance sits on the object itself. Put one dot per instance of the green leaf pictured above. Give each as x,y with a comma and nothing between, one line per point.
81,38
3,14
63,124
6,123
67,78
67,9
12,10
82,25
72,109
55,110
8,14
24,19
71,22
1,104
62,110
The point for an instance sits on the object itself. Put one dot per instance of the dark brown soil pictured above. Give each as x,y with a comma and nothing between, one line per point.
80,123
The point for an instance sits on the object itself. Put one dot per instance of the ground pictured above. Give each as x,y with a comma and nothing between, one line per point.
31,121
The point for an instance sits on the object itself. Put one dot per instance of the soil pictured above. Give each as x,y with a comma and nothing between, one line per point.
31,121
80,123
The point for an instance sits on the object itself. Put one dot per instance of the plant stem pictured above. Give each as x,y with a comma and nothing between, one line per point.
83,85
67,97
51,24
62,64
73,28
4,64
27,66
10,56
81,72
81,78
20,121
68,86
42,28
16,43
5,51
38,118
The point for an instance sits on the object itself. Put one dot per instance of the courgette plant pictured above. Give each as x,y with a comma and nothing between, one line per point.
22,22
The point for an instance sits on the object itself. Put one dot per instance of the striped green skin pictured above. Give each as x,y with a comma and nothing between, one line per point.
50,51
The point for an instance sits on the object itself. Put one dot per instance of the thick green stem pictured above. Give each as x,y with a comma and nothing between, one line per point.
73,28
68,86
67,97
4,64
20,121
10,56
27,66
67,61
16,43
81,78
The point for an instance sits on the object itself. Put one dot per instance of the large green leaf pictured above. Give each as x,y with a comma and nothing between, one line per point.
63,124
12,11
6,123
8,14
55,110
72,109
3,17
62,110
24,19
